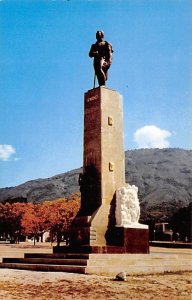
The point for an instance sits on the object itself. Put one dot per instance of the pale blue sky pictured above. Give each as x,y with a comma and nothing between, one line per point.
45,70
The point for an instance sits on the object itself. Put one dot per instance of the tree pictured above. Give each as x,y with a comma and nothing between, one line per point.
2,221
181,223
32,223
10,220
58,215
18,210
34,219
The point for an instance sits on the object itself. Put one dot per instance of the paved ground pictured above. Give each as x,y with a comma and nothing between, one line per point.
16,284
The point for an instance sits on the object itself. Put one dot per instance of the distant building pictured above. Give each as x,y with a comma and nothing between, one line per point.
162,232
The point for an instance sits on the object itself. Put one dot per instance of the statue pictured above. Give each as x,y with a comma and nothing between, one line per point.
127,206
102,53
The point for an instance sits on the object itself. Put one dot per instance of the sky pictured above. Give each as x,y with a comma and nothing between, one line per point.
45,71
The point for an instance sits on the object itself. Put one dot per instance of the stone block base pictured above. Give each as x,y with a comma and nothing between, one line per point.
81,236
133,240
92,250
119,240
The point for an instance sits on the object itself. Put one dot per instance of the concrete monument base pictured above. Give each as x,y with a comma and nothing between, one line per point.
132,240
118,240
94,229
108,264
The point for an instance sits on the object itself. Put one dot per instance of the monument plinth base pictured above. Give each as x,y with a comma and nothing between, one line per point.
93,230
132,239
131,245
118,239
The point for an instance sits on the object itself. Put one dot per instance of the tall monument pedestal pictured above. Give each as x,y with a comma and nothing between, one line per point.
103,173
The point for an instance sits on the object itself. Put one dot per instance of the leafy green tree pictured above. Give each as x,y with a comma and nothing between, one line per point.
181,223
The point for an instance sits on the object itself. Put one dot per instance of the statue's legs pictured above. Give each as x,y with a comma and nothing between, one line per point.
101,77
105,70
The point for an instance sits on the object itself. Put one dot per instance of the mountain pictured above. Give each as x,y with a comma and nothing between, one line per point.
163,176
164,179
39,190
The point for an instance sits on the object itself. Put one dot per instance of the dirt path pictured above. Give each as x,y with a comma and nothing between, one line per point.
16,284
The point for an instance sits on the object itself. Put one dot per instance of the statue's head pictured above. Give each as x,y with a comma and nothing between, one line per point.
99,34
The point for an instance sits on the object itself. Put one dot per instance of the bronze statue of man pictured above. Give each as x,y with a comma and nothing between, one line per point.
102,53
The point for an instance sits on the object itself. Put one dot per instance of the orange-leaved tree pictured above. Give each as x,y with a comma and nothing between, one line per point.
18,210
32,222
10,220
3,223
57,215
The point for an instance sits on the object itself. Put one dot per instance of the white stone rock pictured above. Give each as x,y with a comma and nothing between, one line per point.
121,276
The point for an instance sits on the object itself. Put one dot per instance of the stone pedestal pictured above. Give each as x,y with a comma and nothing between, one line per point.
130,239
103,167
103,173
